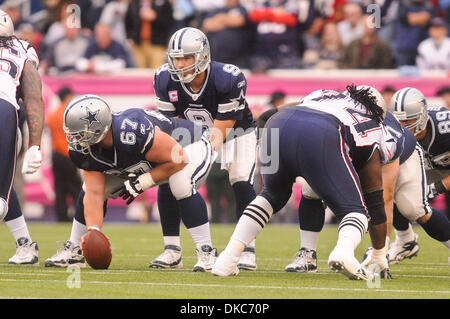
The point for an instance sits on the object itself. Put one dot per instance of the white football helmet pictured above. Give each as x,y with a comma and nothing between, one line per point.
185,42
6,25
379,98
407,104
87,119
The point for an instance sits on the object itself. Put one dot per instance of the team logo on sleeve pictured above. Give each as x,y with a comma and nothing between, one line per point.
173,96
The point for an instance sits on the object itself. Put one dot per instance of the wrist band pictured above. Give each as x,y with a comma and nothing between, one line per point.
146,181
94,227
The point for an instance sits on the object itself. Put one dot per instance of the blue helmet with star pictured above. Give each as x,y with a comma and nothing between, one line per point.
87,119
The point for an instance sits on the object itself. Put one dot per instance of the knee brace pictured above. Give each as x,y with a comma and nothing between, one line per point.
3,209
375,206
181,185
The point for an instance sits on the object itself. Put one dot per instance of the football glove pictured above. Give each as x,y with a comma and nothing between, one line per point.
32,160
132,189
435,189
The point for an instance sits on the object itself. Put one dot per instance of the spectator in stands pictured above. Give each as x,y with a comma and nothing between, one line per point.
103,54
444,94
29,33
147,24
114,14
434,52
67,180
278,34
388,13
351,28
91,12
411,29
228,25
327,53
388,92
202,8
183,13
66,52
367,52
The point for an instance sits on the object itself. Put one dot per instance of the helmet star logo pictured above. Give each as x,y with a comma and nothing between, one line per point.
91,117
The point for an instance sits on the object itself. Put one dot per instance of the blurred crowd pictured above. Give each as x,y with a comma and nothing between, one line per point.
109,35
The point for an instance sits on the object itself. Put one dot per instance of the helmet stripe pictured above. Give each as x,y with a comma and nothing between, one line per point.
181,37
403,99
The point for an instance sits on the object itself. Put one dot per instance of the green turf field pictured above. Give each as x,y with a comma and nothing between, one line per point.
134,245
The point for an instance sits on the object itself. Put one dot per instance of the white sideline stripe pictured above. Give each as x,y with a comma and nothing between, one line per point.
233,286
180,271
278,259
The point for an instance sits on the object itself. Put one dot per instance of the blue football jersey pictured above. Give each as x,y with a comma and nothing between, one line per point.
133,133
437,140
399,140
222,97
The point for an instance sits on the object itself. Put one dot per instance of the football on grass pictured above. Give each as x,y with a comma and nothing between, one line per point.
97,250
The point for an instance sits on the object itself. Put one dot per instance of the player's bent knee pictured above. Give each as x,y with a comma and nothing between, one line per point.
180,185
3,209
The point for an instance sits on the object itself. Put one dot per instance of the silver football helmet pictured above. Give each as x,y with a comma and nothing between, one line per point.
87,119
185,42
6,25
407,104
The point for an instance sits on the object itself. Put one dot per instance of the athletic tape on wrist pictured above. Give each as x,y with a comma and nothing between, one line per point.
146,181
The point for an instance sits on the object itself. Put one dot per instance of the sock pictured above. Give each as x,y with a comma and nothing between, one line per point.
405,235
193,211
18,228
172,240
201,235
78,230
399,221
308,239
255,217
252,244
168,212
244,193
438,227
351,230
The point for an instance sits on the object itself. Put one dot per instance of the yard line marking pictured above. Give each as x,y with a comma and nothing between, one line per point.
180,271
281,259
235,286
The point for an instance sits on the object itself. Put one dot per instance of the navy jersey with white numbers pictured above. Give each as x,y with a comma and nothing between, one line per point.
399,140
222,97
437,140
133,133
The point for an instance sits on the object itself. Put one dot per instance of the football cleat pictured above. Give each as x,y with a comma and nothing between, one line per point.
207,256
70,254
305,261
400,250
225,265
27,253
247,261
346,264
170,258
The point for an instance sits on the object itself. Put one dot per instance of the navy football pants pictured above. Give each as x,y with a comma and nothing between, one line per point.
311,146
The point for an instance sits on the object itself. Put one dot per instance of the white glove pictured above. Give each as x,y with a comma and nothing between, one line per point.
32,160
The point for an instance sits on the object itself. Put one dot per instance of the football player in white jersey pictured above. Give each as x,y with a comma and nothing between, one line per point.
19,78
335,141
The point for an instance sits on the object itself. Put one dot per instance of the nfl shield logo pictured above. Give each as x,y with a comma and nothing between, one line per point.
173,96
